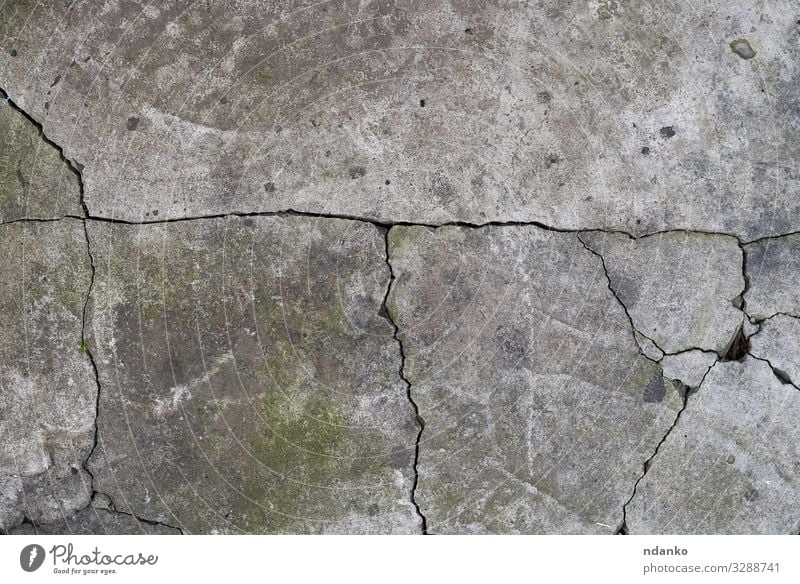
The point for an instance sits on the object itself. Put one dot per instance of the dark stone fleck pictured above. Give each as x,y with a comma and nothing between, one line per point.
667,132
421,103
731,459
742,48
132,123
388,182
13,52
269,187
551,160
645,150
543,97
357,171
468,30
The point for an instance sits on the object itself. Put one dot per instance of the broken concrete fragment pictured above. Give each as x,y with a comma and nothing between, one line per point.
34,180
250,382
679,288
223,110
778,342
749,328
539,410
47,387
730,463
91,521
688,367
773,268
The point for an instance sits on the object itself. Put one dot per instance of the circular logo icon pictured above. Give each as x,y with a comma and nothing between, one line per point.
31,557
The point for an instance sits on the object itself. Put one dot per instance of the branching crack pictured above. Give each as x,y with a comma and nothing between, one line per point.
386,313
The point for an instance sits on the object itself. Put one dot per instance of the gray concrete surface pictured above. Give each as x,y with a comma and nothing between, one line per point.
399,267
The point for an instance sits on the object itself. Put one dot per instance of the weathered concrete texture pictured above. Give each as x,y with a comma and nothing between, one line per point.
92,521
680,289
47,387
539,409
773,268
731,464
34,180
688,367
581,115
250,382
778,341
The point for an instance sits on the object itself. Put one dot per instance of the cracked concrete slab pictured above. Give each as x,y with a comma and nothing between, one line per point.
730,465
539,410
773,269
47,387
34,181
250,377
588,115
290,345
680,289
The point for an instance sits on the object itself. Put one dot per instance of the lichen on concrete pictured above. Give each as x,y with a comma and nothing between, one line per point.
247,377
47,386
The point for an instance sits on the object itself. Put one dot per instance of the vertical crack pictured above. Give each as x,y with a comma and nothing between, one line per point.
86,348
401,371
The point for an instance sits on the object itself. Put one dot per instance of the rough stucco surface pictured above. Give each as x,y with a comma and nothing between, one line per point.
399,267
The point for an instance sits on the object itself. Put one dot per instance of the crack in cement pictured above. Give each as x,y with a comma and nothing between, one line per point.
781,375
85,346
623,530
113,509
634,330
401,371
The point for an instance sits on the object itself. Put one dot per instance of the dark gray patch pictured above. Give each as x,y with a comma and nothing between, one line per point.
269,187
742,48
667,132
357,171
543,97
731,459
132,123
655,391
751,494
